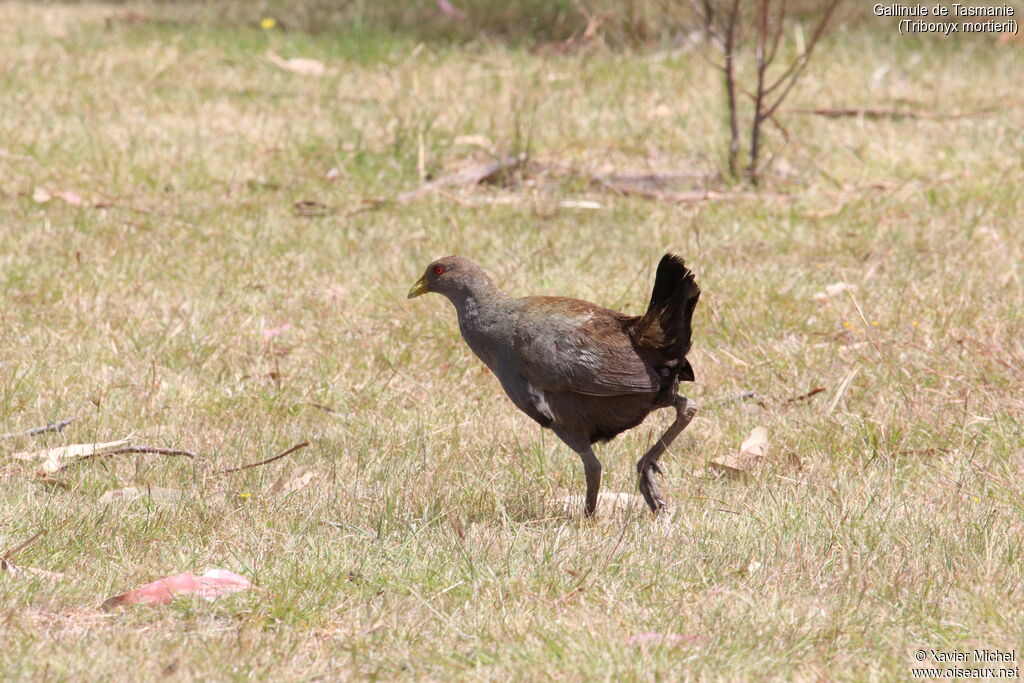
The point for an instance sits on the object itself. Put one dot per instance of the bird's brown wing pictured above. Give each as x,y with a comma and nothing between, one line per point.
569,345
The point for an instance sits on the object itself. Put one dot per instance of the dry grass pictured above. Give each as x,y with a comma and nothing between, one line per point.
430,545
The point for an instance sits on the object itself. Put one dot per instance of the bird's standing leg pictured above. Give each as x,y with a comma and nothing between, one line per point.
647,466
591,466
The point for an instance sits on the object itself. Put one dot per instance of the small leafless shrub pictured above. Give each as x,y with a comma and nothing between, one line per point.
730,24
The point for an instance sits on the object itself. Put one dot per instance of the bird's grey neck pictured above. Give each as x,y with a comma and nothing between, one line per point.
476,306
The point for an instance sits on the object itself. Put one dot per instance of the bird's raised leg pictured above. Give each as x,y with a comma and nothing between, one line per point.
591,466
647,466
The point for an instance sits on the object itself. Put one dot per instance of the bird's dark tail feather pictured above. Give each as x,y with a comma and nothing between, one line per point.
665,329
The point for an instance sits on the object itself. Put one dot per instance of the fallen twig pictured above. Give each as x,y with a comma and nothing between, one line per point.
873,113
121,451
52,427
146,449
7,564
5,559
685,197
309,208
803,397
736,397
320,406
473,175
268,460
931,450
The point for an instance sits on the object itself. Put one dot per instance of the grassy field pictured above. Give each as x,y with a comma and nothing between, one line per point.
159,280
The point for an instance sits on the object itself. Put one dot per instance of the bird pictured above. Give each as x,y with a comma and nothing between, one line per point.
583,371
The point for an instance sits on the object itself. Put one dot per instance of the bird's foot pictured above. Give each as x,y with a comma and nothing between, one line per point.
649,486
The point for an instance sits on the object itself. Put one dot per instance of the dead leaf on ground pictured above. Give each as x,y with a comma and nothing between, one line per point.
446,8
580,204
41,195
15,571
290,482
213,584
481,141
298,65
69,197
56,459
662,111
132,492
607,503
753,448
750,567
832,291
271,332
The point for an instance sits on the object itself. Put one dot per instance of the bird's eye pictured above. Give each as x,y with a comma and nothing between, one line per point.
438,269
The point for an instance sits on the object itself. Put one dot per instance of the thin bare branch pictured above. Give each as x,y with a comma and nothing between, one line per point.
728,48
147,449
11,552
131,449
797,67
705,11
803,397
687,197
777,35
52,427
267,461
762,14
882,113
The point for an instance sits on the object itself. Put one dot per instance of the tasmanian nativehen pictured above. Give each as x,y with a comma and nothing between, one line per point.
583,371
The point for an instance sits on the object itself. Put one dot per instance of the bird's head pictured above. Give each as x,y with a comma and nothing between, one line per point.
453,276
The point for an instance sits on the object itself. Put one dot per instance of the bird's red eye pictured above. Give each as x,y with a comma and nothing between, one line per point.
438,269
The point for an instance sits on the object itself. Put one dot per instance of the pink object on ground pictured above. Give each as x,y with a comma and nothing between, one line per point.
211,585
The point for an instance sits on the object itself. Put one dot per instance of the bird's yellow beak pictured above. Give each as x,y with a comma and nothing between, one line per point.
419,288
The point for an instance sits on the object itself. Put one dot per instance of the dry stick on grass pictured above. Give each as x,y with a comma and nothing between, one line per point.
803,397
685,197
870,113
740,396
9,554
267,461
132,449
52,427
186,454
147,449
743,395
473,175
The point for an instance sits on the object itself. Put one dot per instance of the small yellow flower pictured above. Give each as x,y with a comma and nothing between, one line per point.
914,323
268,23
874,323
244,495
847,323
